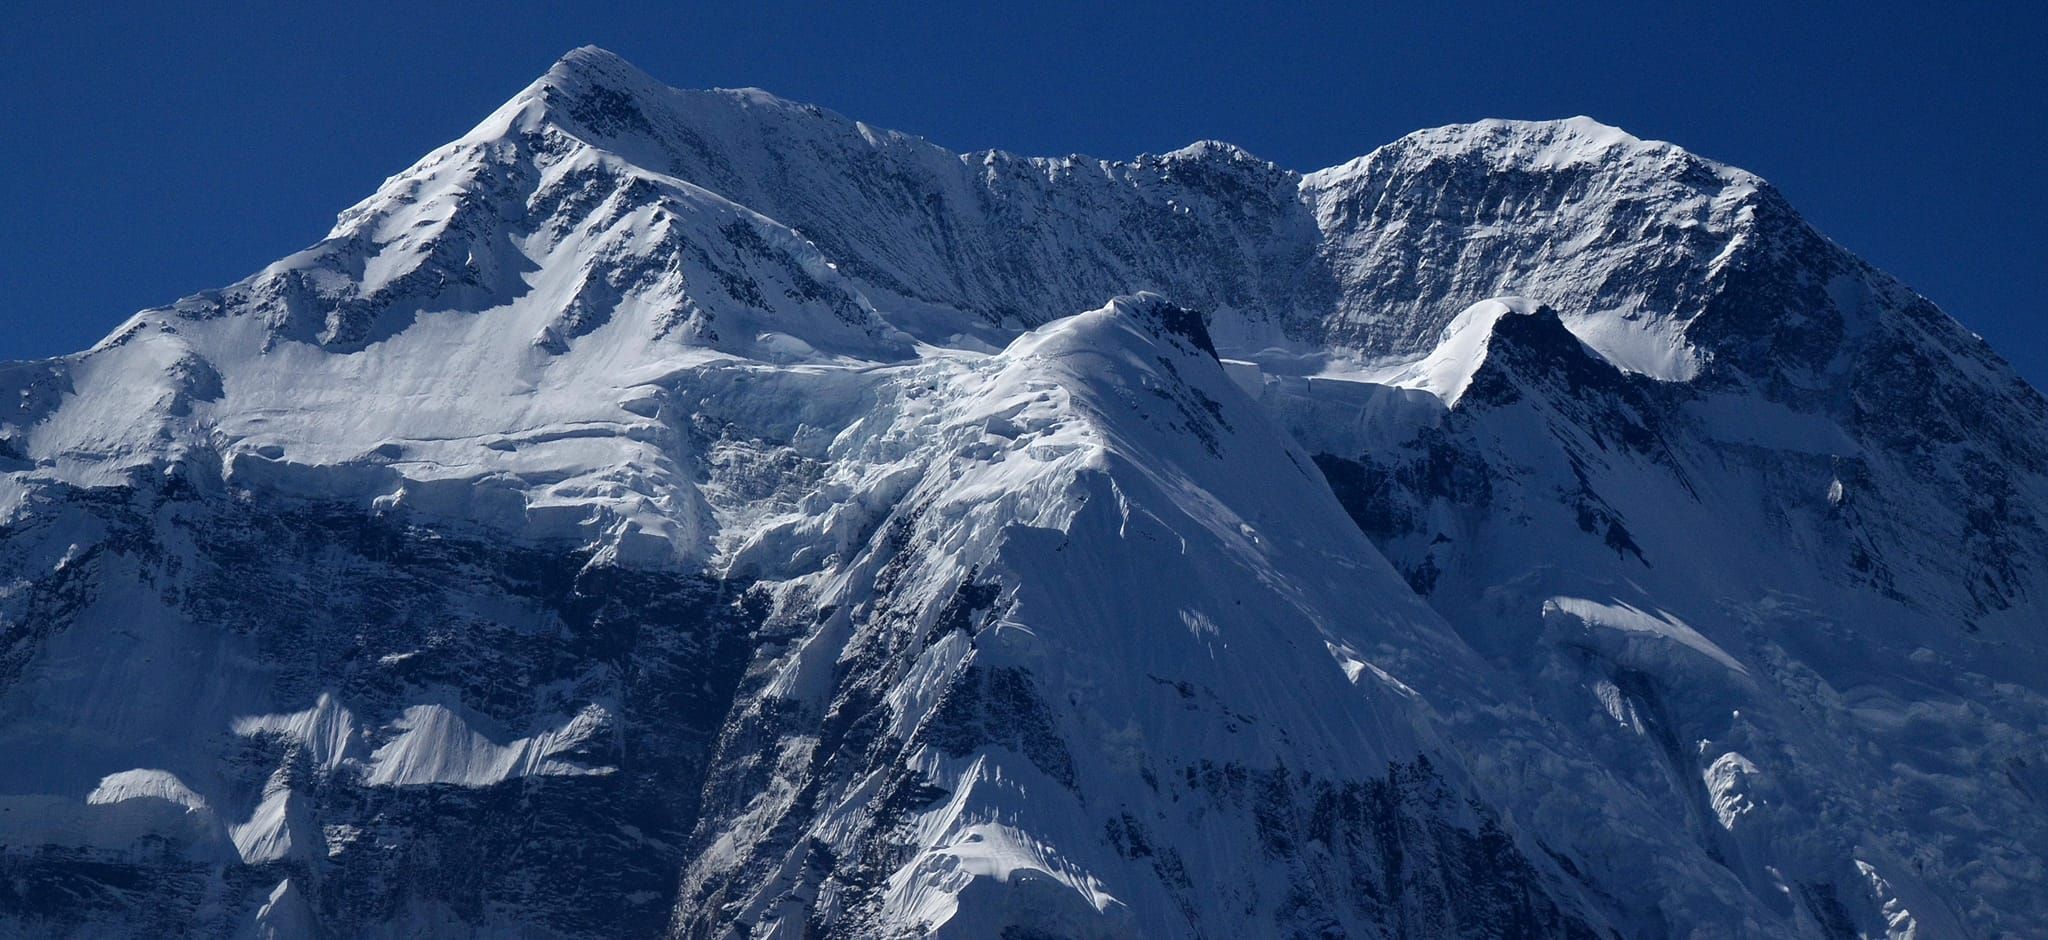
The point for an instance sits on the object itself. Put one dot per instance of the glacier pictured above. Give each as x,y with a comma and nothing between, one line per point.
700,514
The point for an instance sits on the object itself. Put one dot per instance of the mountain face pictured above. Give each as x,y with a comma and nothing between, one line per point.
694,513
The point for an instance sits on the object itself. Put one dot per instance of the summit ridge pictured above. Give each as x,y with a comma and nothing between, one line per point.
697,513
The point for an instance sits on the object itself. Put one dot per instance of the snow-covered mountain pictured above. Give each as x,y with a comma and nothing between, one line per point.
694,512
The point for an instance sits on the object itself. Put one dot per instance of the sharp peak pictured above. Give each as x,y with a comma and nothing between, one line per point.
1162,319
593,60
1500,343
586,71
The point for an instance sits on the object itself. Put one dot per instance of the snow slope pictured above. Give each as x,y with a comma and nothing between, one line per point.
793,527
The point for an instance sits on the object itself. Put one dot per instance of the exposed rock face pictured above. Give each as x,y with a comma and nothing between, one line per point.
693,512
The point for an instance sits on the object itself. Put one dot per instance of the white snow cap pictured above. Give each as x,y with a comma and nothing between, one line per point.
1516,145
1447,371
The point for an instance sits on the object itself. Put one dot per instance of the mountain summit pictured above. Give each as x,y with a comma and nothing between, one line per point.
695,513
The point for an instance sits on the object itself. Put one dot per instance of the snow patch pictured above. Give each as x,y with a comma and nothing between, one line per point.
985,877
434,745
429,744
284,915
1625,620
268,835
1731,784
327,731
141,784
1617,705
1899,921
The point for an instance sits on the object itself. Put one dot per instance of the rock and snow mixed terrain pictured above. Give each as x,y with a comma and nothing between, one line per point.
694,512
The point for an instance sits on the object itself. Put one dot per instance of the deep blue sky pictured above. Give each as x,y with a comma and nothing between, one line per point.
146,154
